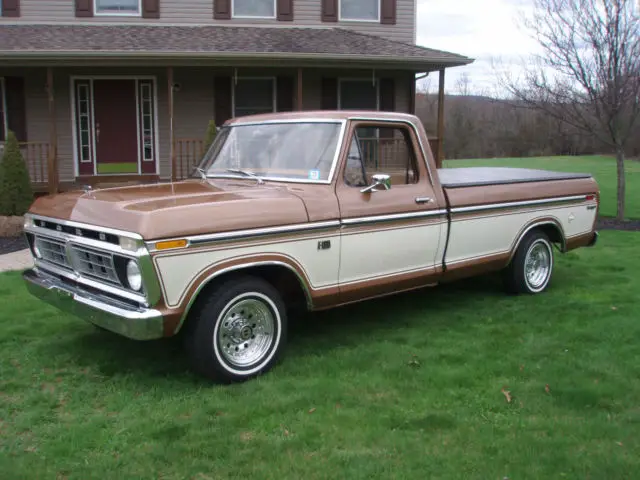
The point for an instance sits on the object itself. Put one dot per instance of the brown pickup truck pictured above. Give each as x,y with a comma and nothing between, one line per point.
318,209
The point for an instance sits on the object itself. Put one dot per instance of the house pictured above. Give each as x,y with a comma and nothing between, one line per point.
115,91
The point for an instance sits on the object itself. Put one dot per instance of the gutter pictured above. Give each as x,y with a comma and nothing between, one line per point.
186,55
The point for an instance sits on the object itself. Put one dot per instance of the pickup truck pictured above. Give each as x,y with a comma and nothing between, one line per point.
312,209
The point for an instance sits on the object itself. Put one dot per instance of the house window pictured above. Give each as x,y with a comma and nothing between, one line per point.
117,7
254,8
146,120
4,121
360,10
358,95
254,95
84,119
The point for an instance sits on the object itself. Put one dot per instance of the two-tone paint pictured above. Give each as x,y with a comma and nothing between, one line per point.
335,243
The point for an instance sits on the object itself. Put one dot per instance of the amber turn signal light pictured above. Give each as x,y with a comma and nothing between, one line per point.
171,244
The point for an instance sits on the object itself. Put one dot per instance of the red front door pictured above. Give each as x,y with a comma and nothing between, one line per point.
116,126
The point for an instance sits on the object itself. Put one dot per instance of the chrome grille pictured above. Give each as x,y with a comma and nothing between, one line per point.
94,264
52,251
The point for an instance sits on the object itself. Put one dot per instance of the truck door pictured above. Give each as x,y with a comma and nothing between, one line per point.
391,231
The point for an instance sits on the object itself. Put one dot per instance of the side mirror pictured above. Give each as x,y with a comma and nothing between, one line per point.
381,181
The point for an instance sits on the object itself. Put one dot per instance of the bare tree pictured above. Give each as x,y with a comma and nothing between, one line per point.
588,72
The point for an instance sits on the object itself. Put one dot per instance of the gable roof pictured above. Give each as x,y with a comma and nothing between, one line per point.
213,42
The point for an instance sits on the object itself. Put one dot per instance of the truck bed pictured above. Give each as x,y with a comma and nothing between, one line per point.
482,176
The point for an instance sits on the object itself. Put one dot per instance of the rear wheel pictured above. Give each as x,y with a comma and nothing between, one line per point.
238,331
531,268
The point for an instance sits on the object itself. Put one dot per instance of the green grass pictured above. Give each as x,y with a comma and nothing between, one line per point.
403,387
602,168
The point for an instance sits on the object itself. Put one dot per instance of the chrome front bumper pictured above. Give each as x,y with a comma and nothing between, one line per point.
101,310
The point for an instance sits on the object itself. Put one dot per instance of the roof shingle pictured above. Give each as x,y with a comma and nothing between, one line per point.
211,41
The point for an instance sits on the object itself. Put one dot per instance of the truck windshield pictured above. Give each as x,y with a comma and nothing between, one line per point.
274,151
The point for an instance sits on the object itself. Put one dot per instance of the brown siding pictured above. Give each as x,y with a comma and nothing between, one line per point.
307,12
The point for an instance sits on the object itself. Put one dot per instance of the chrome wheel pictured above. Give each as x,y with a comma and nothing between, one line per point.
538,264
247,331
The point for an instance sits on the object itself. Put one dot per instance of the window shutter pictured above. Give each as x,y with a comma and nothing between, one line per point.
150,8
412,94
329,10
222,99
329,94
388,12
387,95
222,9
285,10
11,8
284,94
84,8
16,107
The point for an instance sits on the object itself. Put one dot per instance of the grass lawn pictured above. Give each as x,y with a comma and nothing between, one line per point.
602,168
404,387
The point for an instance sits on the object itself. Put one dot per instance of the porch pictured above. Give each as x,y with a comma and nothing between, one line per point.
106,127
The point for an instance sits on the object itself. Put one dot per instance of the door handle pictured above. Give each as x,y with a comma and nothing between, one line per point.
424,200
98,132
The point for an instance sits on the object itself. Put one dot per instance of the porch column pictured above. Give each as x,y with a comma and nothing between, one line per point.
299,90
171,126
440,153
52,158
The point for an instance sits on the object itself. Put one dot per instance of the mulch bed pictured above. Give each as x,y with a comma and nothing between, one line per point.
608,223
12,244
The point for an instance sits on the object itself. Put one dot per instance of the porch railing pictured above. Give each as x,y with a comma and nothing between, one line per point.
188,152
36,156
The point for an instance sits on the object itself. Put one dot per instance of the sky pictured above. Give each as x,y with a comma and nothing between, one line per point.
480,29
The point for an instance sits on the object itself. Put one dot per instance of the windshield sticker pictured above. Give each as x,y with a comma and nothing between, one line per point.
314,174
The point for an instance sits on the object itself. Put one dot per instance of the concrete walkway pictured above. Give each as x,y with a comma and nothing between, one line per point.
19,260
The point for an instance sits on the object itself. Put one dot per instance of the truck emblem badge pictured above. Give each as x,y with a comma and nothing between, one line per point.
58,228
78,232
324,245
572,217
102,236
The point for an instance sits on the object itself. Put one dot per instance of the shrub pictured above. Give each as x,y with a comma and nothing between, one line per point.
16,195
210,136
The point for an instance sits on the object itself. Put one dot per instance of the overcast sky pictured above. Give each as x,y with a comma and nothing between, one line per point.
480,29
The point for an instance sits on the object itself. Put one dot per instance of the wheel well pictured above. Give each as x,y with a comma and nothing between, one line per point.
553,232
285,280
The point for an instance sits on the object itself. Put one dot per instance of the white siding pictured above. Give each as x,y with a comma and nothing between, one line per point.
306,12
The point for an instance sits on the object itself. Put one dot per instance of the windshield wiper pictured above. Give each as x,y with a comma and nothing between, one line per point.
248,174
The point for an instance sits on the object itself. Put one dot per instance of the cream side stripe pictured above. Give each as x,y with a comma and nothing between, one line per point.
525,203
481,237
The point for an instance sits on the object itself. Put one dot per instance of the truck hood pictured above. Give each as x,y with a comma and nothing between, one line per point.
180,209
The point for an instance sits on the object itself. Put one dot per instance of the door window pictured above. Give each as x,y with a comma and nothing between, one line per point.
385,150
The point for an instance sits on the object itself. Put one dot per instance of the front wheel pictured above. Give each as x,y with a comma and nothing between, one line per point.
238,331
532,265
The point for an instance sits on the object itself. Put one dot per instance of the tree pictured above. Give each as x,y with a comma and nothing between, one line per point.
588,72
16,195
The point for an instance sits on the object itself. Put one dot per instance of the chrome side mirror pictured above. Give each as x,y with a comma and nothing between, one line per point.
381,180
